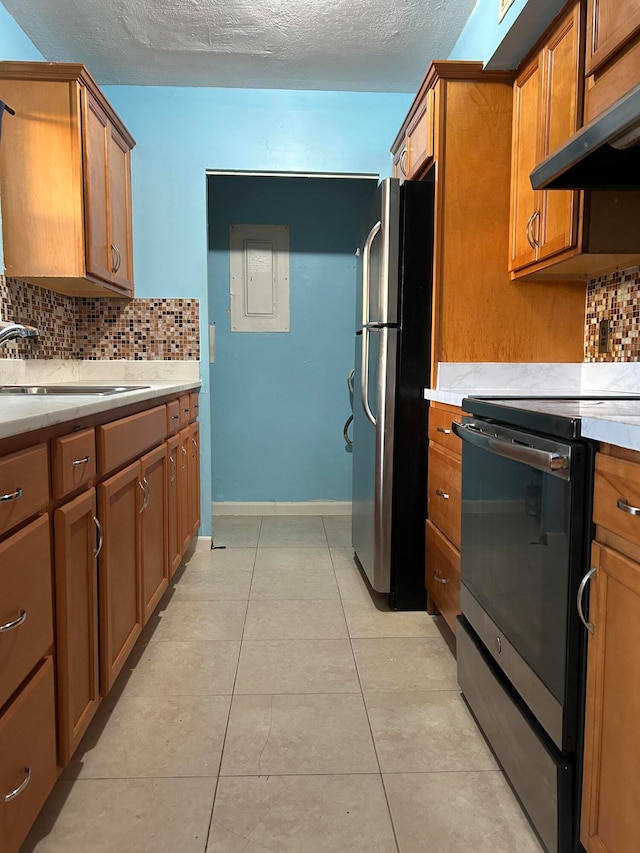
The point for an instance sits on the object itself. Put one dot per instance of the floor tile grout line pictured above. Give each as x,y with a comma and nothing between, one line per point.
233,688
366,711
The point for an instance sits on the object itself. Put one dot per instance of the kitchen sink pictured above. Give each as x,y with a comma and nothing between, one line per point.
69,390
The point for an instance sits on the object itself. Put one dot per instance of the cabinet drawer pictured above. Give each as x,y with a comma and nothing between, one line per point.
26,607
173,416
440,430
24,485
28,750
185,409
194,405
617,480
73,462
442,574
122,440
443,497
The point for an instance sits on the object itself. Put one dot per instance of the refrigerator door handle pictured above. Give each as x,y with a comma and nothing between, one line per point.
364,377
366,271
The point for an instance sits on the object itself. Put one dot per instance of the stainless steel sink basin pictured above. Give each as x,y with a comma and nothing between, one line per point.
69,390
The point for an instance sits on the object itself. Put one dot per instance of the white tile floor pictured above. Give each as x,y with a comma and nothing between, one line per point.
272,706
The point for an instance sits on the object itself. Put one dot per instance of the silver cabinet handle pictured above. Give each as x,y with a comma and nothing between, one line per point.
84,461
9,626
402,162
17,791
184,456
144,496
534,237
443,430
528,229
175,417
583,583
195,448
172,462
186,411
12,496
625,507
345,431
437,577
116,265
98,547
147,492
442,494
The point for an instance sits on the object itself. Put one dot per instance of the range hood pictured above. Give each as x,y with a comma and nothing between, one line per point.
603,155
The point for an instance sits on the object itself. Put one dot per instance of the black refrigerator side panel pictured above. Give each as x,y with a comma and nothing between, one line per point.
413,372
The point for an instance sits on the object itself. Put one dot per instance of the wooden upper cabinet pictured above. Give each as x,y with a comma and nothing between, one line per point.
414,147
546,112
611,25
526,109
65,143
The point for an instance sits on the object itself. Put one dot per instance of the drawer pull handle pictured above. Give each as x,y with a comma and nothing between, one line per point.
175,417
9,626
186,411
98,547
84,461
625,507
12,497
17,791
583,583
443,430
437,577
442,494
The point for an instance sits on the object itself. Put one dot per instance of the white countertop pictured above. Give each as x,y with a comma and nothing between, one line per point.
611,421
27,413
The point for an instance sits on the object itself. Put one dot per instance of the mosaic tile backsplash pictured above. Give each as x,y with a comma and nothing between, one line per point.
82,328
614,297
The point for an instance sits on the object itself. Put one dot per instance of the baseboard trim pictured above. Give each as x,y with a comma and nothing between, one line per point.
281,508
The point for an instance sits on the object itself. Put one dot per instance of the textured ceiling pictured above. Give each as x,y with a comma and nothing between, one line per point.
350,45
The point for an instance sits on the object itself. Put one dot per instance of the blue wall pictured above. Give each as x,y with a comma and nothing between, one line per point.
502,45
280,400
14,42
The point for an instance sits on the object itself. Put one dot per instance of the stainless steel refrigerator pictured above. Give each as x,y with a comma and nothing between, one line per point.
392,357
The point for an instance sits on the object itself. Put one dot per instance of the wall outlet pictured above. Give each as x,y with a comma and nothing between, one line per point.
604,331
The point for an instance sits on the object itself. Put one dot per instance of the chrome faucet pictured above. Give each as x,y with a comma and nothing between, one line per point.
11,331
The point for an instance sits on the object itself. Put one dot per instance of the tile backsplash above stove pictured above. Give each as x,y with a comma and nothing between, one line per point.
80,328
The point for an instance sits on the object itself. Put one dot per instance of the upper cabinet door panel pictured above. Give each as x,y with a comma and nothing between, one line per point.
610,24
120,209
527,93
96,189
561,119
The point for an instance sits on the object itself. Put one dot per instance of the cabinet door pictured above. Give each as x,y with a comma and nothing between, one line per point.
420,142
611,783
77,662
153,529
120,210
175,555
561,117
184,528
527,93
96,153
119,502
194,479
610,24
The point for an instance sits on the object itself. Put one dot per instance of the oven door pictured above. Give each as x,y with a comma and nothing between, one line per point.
522,544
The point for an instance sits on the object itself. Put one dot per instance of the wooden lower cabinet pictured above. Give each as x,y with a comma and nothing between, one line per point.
28,756
173,499
119,501
194,479
154,550
184,490
610,821
77,659
442,574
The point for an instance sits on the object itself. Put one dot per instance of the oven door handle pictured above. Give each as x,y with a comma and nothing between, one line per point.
543,460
